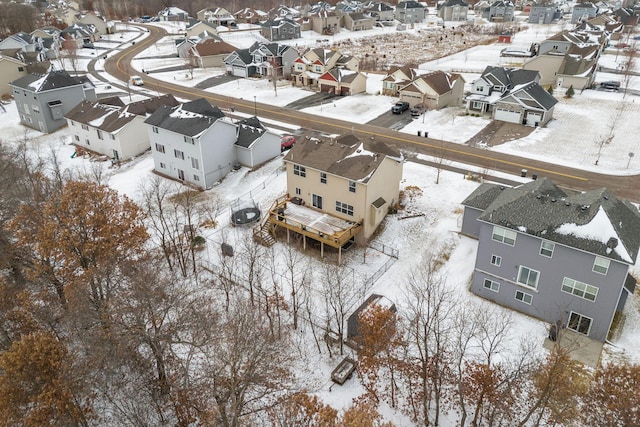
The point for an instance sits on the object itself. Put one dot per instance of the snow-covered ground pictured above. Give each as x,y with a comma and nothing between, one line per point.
566,140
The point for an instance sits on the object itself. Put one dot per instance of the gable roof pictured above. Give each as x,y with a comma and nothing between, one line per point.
249,130
508,77
452,3
594,221
340,75
210,47
440,81
190,119
409,5
346,156
49,81
530,95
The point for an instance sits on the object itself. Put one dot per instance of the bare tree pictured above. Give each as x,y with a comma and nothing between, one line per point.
297,275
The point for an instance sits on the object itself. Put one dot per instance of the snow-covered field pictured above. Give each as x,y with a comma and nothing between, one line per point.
572,138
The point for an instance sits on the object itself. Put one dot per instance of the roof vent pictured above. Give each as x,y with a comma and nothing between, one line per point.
612,243
553,200
606,197
538,197
584,207
358,151
567,204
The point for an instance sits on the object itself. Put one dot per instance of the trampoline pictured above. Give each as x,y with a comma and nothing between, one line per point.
244,212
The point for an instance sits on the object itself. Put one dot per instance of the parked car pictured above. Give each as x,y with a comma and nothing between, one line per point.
88,45
417,110
287,142
136,81
400,107
610,85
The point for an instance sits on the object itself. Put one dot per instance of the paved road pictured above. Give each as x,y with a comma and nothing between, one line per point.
392,121
627,187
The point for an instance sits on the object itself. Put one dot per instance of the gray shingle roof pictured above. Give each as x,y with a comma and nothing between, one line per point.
188,119
346,156
249,130
595,221
52,80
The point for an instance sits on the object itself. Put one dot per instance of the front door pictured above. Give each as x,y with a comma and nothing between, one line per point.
180,174
116,156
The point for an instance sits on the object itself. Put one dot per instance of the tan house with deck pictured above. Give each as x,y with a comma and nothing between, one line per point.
338,190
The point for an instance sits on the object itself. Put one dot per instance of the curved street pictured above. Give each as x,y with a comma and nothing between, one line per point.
624,186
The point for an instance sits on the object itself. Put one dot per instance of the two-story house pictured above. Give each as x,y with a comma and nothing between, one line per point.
382,12
543,13
493,83
173,14
583,11
10,69
561,42
339,190
453,10
249,15
43,100
217,16
528,104
209,52
434,90
342,82
396,78
313,63
499,11
276,29
358,21
409,12
325,22
561,258
577,67
110,128
262,59
192,142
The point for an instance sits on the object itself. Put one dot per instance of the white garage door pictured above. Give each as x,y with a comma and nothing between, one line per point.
239,71
507,116
534,119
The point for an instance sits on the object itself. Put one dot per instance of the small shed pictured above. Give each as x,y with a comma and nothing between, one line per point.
352,321
343,371
504,38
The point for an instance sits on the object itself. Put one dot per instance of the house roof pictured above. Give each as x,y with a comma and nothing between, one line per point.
381,7
346,156
190,119
531,95
577,66
210,47
278,22
340,75
440,81
452,3
409,5
49,81
249,130
594,221
508,77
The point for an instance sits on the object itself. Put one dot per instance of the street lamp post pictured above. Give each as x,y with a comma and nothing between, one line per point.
255,106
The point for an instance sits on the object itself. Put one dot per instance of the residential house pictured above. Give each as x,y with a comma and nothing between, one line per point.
283,11
544,13
249,15
255,144
43,100
210,52
396,78
78,34
583,12
493,83
260,59
218,16
198,27
10,69
383,13
343,82
561,42
114,129
280,29
453,10
316,7
564,259
339,190
577,67
312,64
173,13
435,90
627,16
346,7
193,142
410,12
98,22
66,15
23,41
528,104
358,21
49,38
325,22
499,11
240,63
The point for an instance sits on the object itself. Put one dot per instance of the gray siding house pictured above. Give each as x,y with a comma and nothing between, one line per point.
499,11
192,142
583,11
255,144
562,259
280,29
544,13
453,10
410,12
43,100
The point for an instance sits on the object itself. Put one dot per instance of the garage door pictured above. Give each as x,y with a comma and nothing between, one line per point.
239,71
507,116
344,91
327,88
534,119
411,98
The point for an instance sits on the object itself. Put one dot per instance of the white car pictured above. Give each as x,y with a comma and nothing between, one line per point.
136,81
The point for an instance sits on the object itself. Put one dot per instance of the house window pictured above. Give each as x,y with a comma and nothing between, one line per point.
180,174
196,177
85,127
178,155
352,186
318,69
316,201
546,248
99,134
159,148
579,323
508,237
496,260
35,108
298,192
299,170
579,289
344,208
154,129
163,165
491,285
195,163
72,123
323,177
76,137
112,136
528,277
601,265
189,140
524,297
87,141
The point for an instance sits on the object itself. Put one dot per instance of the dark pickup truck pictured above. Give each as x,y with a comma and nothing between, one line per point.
400,107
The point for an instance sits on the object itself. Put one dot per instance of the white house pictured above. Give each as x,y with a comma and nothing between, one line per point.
255,144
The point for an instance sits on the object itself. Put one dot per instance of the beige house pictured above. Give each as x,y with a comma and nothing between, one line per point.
218,16
339,190
201,27
342,82
101,26
358,21
397,78
577,67
325,22
10,69
436,90
211,52
308,68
